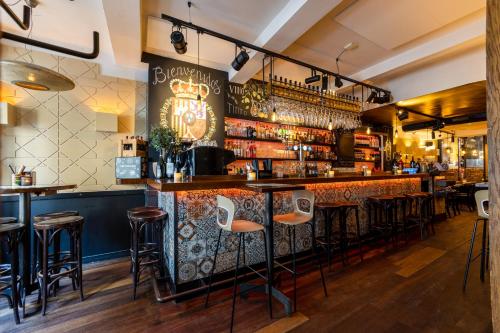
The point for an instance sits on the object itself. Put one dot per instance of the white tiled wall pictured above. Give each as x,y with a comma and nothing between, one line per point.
55,132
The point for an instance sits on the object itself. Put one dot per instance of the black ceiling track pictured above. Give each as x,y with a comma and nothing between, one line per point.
180,23
25,23
56,48
447,121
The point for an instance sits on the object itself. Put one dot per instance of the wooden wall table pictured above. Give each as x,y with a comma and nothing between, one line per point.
25,193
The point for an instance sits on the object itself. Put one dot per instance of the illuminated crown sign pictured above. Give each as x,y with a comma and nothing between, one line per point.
188,89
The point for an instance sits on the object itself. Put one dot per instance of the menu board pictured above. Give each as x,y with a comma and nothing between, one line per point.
246,101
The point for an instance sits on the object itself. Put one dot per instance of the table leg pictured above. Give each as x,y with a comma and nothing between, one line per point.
270,243
25,218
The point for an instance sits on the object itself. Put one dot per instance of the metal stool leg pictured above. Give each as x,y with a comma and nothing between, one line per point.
80,259
294,268
135,260
45,270
235,285
483,250
14,271
469,257
316,255
269,292
213,268
358,234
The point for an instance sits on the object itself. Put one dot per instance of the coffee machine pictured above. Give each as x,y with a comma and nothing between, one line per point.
208,160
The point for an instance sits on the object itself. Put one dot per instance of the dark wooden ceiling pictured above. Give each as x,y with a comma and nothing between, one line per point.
463,100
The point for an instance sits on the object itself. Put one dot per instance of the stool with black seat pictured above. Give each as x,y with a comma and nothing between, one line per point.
481,197
68,264
401,213
150,254
344,238
291,221
422,216
144,238
381,217
465,195
11,232
240,227
37,248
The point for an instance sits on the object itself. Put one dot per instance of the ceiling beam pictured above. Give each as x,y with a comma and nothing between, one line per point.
468,32
297,17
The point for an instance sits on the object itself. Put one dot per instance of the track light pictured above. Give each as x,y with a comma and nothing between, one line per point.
433,135
324,82
396,134
240,60
402,114
437,125
372,95
338,82
453,138
313,78
198,102
178,41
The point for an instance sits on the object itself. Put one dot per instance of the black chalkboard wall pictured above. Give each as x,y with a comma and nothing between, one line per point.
172,90
245,100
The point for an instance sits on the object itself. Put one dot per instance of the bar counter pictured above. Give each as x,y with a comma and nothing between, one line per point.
191,232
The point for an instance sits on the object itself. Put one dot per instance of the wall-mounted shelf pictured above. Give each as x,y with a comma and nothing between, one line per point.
362,160
366,147
231,137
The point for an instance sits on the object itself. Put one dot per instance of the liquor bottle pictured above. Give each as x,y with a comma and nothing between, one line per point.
170,167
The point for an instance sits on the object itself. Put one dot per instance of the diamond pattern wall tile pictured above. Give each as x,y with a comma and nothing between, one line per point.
55,132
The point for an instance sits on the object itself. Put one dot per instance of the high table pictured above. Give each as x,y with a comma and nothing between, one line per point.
24,193
268,191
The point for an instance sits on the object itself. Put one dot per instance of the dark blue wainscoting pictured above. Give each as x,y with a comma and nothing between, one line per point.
106,232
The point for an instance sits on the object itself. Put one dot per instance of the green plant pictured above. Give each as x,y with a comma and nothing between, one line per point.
165,138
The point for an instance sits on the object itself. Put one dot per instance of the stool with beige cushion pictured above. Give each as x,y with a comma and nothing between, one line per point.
482,198
240,228
291,221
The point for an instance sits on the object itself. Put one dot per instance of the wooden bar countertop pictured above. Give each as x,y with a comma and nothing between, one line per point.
221,182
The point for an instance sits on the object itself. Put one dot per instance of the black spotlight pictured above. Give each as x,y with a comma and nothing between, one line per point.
178,41
372,96
313,78
433,135
324,82
240,60
453,138
402,114
338,82
437,125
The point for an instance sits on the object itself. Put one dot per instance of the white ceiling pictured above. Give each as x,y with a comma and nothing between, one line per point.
310,30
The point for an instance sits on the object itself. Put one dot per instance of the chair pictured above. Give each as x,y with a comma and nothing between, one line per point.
240,228
481,198
292,220
12,232
465,195
69,265
423,213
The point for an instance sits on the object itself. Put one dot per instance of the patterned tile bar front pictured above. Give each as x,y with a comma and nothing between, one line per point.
191,233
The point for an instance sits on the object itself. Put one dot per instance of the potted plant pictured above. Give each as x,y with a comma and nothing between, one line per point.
165,140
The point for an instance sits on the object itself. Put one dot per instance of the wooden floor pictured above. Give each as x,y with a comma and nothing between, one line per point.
416,288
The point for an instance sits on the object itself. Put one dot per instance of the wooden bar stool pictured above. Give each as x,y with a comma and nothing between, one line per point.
12,233
291,220
147,234
381,208
423,211
240,228
344,236
37,246
5,220
400,215
68,265
481,198
148,254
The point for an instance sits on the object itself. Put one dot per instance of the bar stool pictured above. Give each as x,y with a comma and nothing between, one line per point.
291,220
149,254
137,210
381,208
240,228
451,201
423,211
37,252
341,209
69,265
12,232
5,220
400,215
481,198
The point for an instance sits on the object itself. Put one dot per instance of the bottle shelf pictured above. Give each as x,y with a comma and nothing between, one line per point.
233,137
266,121
366,147
364,160
280,159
